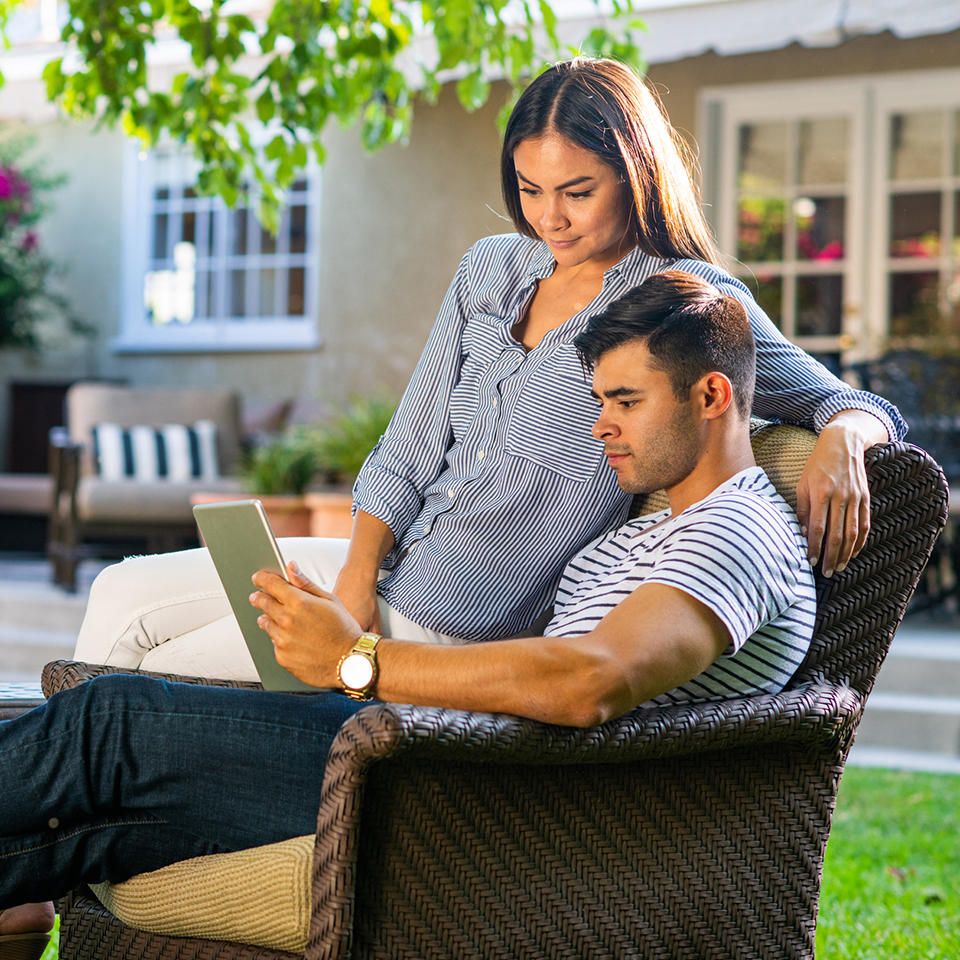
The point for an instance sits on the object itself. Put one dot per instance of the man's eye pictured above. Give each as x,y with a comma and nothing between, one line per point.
626,404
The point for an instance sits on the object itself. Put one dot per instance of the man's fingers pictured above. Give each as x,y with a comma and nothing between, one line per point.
298,577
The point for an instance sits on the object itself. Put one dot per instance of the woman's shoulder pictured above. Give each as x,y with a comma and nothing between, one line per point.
715,274
504,249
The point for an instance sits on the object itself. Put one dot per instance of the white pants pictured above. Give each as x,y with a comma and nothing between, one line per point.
169,613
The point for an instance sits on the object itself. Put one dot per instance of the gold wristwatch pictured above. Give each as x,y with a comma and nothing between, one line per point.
357,670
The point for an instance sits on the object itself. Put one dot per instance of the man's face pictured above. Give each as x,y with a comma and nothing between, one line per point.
651,439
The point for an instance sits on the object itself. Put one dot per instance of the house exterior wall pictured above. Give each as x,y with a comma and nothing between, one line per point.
393,227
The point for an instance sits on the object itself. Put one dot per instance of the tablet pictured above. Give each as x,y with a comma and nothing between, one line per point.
238,536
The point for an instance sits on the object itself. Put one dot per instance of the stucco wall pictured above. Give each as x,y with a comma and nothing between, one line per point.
393,228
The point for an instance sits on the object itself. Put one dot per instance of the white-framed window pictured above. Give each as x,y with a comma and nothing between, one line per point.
202,276
917,244
840,201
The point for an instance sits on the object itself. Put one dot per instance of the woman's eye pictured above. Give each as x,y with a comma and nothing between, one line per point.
579,196
529,191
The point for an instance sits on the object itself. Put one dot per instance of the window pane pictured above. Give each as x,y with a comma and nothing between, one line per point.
268,242
769,293
823,150
913,304
268,285
915,225
212,220
238,296
820,227
760,228
916,145
763,155
161,230
238,232
189,192
819,306
161,193
188,228
295,304
298,229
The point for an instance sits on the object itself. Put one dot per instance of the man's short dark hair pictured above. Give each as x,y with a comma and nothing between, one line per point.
689,327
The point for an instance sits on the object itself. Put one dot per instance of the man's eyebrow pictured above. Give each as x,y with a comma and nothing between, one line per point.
563,186
616,392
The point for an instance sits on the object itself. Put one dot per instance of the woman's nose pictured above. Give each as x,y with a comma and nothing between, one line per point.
552,216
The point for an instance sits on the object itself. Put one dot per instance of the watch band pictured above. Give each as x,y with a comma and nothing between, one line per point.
365,649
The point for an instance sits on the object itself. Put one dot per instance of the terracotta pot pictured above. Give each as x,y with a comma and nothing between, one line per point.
288,514
330,513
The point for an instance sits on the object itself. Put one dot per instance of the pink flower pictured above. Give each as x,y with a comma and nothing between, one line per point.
6,184
29,242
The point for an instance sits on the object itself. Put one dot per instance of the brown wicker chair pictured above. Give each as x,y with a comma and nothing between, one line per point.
687,832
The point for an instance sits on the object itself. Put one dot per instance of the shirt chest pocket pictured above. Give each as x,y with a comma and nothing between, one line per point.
551,419
481,347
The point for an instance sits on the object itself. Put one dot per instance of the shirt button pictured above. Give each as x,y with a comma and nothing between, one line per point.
451,493
53,823
493,402
480,454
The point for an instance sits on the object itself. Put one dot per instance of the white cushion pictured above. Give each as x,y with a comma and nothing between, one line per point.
174,451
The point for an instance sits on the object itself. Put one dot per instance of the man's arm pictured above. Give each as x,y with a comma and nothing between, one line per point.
656,639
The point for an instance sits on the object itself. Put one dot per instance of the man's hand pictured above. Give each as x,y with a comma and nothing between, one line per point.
310,628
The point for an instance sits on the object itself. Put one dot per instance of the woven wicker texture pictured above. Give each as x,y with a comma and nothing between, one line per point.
691,832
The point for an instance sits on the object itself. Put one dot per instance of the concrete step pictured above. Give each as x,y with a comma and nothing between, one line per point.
23,652
907,721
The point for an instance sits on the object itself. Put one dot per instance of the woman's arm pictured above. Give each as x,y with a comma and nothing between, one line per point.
387,495
833,501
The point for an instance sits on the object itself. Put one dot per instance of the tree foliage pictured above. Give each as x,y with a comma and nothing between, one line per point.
294,68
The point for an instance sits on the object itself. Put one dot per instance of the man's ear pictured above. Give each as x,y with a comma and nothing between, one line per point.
715,394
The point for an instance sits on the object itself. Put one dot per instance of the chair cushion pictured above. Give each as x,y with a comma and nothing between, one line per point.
131,501
174,451
260,896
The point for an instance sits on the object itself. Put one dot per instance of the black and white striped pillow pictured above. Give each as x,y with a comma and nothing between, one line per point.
171,452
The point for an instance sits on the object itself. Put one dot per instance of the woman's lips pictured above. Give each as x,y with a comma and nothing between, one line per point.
562,244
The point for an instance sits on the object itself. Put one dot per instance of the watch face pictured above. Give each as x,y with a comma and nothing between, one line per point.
356,671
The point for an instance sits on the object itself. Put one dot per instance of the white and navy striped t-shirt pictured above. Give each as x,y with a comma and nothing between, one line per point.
488,475
740,552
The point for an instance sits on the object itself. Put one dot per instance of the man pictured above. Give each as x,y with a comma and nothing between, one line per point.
710,599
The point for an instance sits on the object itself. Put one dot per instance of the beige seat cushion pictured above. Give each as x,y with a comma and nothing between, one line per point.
136,501
259,896
262,896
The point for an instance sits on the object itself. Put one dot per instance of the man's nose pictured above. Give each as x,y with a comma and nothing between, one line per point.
603,427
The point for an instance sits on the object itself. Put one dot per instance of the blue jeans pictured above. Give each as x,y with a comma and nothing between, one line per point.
126,774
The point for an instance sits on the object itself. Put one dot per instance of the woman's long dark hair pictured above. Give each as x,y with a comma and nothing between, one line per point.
604,107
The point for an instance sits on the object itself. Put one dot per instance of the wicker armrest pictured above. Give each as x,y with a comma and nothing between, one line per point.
62,674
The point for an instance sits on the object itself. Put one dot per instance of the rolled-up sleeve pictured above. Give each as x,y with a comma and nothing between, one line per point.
791,385
411,452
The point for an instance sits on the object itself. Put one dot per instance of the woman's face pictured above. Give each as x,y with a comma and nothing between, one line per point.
573,200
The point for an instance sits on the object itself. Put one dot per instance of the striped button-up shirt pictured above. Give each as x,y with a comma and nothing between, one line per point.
488,475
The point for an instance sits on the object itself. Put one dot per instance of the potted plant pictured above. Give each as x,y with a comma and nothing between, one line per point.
342,444
277,471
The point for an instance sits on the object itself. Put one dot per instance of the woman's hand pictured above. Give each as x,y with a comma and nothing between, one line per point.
358,594
833,499
310,628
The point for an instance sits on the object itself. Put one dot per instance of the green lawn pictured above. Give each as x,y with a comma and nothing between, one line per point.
891,886
891,881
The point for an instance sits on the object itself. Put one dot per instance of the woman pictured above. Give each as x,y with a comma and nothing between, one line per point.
488,479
